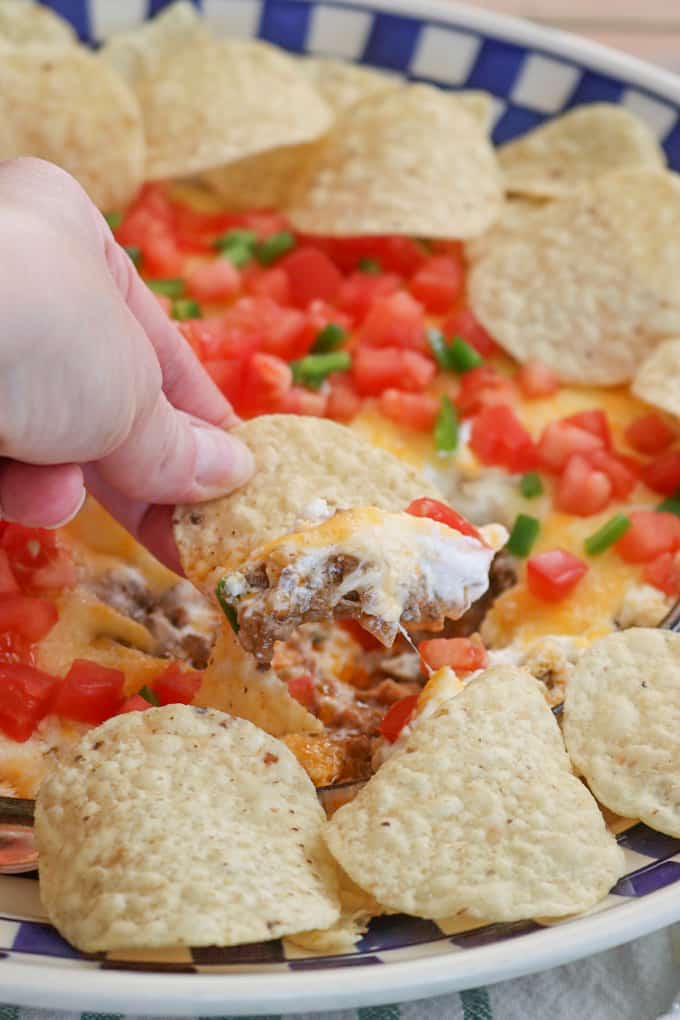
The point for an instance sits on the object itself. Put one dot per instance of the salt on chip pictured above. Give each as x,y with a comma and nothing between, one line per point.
232,682
622,724
409,161
305,469
22,22
181,826
220,101
143,49
479,811
657,381
567,152
64,105
588,285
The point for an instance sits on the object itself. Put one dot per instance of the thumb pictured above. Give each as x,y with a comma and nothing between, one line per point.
171,457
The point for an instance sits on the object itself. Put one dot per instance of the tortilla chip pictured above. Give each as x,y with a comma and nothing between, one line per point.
514,216
559,157
264,181
143,49
622,724
441,168
66,106
233,683
657,381
478,811
342,83
588,285
22,22
305,468
220,101
178,826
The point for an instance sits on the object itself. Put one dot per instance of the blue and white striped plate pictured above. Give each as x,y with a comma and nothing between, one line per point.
534,74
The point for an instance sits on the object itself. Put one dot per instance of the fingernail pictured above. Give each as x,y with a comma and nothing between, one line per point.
74,513
222,461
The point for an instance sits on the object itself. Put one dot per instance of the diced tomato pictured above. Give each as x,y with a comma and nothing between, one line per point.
651,533
443,514
320,314
499,439
176,686
343,403
218,280
482,386
30,617
595,422
58,574
559,441
27,548
263,223
378,369
284,333
25,694
463,655
15,648
438,283
150,226
623,472
299,400
397,716
270,283
302,689
398,254
664,573
581,489
367,641
649,434
358,292
8,582
395,321
89,692
228,374
663,474
536,380
266,381
462,322
136,703
552,575
311,275
414,410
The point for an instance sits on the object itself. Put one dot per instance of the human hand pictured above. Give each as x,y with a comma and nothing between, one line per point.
97,385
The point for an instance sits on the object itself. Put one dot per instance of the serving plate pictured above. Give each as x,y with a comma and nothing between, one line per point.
534,73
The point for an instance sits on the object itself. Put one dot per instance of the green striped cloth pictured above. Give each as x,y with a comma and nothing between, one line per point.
633,982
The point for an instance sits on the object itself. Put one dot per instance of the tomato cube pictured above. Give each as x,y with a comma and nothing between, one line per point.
270,283
8,582
482,386
651,533
595,422
302,689
663,474
414,410
581,489
443,514
463,655
559,441
218,280
395,321
552,575
536,380
343,403
462,322
359,291
311,275
31,618
623,472
89,693
664,573
378,369
499,439
649,434
438,283
397,716
299,400
136,703
25,694
176,686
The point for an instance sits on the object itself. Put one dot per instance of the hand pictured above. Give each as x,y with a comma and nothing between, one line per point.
97,386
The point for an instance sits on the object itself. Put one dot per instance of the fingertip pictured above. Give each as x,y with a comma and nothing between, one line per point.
223,462
41,496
